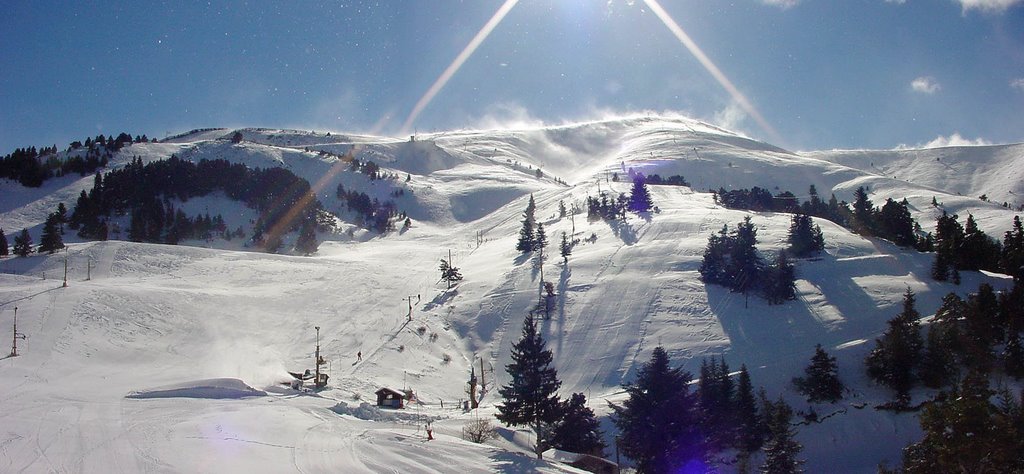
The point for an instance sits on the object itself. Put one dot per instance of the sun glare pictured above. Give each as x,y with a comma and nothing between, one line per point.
712,69
457,63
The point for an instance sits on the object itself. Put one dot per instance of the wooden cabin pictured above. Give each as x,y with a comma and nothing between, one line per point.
388,398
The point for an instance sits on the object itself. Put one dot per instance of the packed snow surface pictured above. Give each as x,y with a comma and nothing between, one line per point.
196,320
208,388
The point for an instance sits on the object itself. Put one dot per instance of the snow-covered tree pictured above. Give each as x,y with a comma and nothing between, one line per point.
530,398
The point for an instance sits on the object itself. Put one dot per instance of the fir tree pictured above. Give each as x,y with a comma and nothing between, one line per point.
895,223
779,280
578,430
749,436
938,363
540,239
949,237
640,198
820,382
50,241
659,424
307,242
526,237
565,248
745,265
965,432
4,249
781,449
530,398
23,244
714,266
863,213
716,391
1011,259
449,273
897,354
805,237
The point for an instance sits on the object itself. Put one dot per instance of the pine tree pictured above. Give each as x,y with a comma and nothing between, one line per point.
938,363
895,223
1011,260
449,273
897,354
530,398
307,243
805,237
540,239
526,237
962,433
779,280
820,382
640,198
780,449
565,248
4,250
749,436
578,430
714,266
716,391
23,244
50,241
949,236
745,265
863,213
659,424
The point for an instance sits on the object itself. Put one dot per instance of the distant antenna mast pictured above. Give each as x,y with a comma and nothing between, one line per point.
17,335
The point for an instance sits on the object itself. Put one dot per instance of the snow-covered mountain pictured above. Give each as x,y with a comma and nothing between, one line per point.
202,331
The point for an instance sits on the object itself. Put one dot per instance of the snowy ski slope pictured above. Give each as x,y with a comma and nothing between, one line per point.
207,334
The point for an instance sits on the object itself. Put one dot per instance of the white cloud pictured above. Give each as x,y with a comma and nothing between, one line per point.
783,4
1017,83
731,117
505,116
898,2
953,140
925,84
989,6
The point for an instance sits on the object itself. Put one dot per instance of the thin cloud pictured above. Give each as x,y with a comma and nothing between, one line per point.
987,6
1018,83
925,85
783,4
898,2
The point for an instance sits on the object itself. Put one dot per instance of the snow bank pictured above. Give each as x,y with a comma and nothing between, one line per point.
208,388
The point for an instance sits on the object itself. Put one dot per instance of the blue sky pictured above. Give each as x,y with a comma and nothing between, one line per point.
823,73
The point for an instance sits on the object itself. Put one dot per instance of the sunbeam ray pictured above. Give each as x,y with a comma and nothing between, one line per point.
712,69
457,63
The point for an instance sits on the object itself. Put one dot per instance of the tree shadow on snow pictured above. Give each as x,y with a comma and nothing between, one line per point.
623,231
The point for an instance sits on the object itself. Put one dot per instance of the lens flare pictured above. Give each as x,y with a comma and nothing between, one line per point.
457,63
712,69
